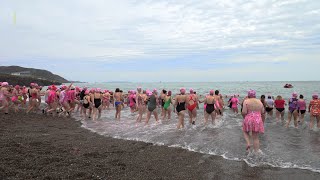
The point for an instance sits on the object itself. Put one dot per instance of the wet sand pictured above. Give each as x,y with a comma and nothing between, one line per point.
43,147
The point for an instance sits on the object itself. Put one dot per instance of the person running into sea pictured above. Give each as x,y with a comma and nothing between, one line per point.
141,105
132,101
269,106
4,96
180,106
162,101
87,105
234,104
15,98
314,109
71,96
33,98
302,106
106,100
96,98
219,103
251,112
167,105
210,111
117,96
279,103
25,96
52,99
293,110
263,101
192,100
152,106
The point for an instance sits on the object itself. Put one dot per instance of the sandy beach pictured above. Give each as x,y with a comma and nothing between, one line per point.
43,147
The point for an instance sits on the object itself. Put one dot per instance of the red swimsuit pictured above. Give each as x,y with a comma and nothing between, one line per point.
194,105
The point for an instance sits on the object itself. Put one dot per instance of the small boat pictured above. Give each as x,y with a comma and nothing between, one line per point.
288,86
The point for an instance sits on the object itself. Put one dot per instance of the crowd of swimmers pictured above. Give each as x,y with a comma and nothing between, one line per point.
65,100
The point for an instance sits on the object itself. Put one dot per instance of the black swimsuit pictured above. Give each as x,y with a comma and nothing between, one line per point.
209,108
97,103
280,109
86,105
181,106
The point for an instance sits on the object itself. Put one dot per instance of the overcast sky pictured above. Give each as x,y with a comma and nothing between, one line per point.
164,40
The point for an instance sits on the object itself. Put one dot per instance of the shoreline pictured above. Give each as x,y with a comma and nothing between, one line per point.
37,147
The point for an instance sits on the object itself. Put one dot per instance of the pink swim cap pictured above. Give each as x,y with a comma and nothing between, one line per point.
315,96
53,87
182,90
251,93
87,92
294,94
17,87
92,90
155,90
32,84
149,93
211,92
4,84
98,90
191,91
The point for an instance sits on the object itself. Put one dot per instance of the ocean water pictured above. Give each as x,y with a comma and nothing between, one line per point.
280,146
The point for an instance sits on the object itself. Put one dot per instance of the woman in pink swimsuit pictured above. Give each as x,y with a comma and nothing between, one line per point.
234,104
14,98
52,99
252,110
192,103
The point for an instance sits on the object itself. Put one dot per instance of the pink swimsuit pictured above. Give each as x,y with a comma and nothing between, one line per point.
131,100
71,96
234,102
253,122
52,96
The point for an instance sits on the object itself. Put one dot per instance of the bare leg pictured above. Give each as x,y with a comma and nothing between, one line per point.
206,115
295,118
318,121
278,116
194,116
181,120
282,115
289,119
256,142
155,113
311,122
148,117
190,117
247,138
302,118
169,113
99,111
213,117
139,118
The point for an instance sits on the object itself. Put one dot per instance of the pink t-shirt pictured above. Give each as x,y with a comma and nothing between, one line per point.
302,105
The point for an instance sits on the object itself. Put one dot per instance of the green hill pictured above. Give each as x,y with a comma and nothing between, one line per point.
38,74
25,81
